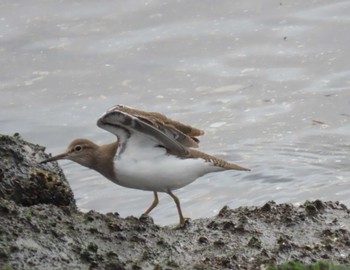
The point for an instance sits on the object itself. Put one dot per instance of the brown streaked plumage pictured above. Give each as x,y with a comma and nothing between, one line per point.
185,134
162,119
152,153
215,161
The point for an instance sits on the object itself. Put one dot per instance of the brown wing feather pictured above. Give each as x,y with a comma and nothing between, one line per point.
182,133
123,125
175,138
215,161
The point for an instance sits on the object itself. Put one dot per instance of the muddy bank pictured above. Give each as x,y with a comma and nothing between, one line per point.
40,228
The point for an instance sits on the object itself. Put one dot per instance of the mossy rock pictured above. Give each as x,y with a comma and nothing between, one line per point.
27,182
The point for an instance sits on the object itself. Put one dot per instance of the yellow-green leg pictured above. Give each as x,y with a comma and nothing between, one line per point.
153,205
177,202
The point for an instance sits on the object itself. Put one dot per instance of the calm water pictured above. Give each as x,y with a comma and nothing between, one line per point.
267,80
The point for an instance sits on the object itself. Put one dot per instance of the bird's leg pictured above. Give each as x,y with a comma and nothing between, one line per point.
177,202
153,205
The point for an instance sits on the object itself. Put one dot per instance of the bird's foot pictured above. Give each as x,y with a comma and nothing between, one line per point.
183,224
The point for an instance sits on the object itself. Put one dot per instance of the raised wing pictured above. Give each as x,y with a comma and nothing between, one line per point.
174,136
184,134
122,121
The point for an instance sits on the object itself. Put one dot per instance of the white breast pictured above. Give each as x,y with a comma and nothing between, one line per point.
143,165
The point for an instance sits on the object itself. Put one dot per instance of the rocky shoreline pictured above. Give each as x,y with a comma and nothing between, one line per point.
41,228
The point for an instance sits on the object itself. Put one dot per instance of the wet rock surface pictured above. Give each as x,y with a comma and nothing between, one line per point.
24,180
49,233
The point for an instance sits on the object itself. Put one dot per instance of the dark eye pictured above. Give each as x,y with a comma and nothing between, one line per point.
78,148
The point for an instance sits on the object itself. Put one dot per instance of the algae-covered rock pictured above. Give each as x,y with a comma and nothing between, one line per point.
24,180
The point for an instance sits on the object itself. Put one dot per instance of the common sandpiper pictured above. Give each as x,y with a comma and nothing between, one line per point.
152,153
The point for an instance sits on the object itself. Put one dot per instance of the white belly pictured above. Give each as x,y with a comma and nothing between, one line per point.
161,172
144,165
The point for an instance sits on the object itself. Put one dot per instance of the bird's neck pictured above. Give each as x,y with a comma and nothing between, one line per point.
104,162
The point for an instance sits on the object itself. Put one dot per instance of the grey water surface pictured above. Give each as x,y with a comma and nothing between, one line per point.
269,82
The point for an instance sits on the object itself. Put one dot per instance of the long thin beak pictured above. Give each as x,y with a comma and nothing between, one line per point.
60,156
